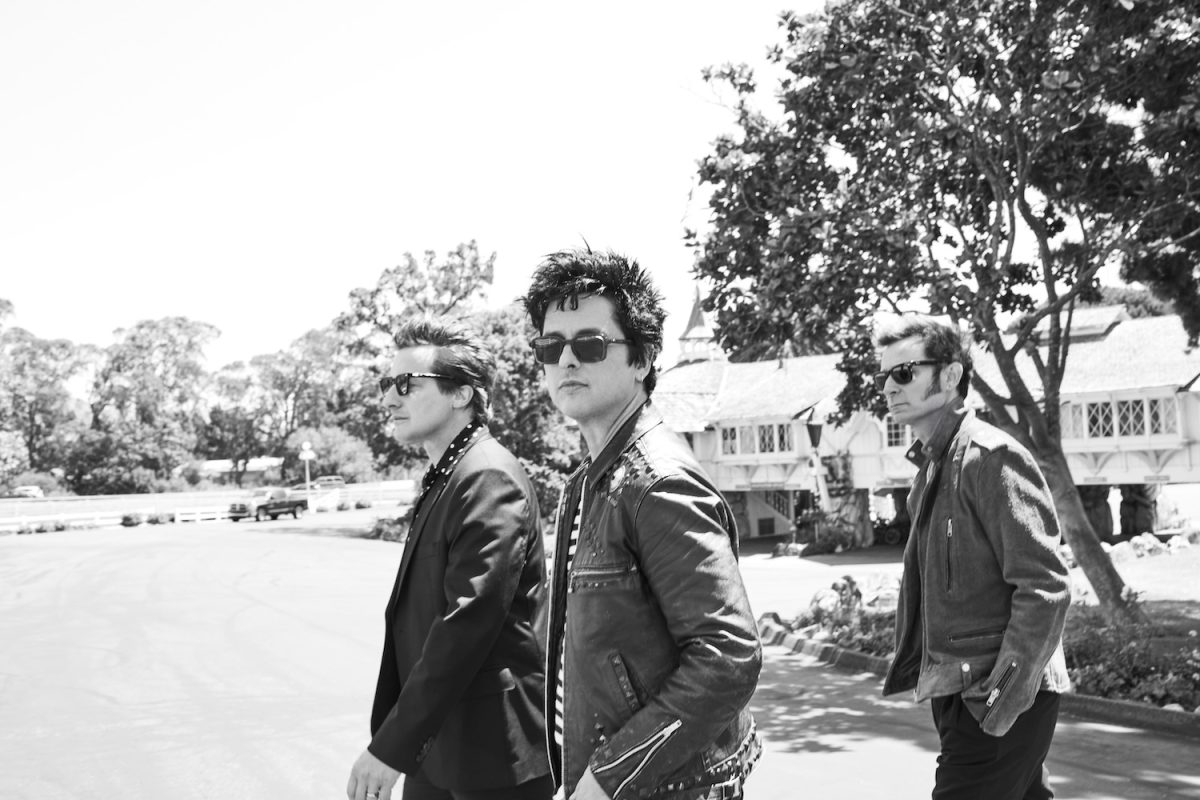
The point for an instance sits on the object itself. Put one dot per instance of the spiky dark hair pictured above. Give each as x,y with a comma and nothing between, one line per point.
564,277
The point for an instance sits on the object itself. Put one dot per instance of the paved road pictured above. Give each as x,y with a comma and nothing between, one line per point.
237,661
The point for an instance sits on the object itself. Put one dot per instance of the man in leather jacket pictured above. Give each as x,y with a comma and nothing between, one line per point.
653,653
985,592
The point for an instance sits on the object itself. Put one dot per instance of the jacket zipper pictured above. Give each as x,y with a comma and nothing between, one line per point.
999,688
651,747
949,554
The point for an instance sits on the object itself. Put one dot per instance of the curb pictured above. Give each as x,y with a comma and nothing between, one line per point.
1078,706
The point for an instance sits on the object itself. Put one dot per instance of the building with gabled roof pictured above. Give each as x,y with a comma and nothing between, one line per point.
1130,415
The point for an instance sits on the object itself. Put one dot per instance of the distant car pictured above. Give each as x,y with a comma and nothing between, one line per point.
269,501
28,491
330,481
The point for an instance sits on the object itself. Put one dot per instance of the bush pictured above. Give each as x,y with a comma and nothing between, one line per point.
131,520
362,503
1142,663
343,505
59,525
42,527
24,530
161,519
389,529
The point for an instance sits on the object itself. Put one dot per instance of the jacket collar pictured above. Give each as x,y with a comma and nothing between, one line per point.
952,417
635,427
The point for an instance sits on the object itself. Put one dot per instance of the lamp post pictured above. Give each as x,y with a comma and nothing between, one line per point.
307,455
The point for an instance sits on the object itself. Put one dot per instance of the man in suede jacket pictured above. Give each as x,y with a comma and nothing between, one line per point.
985,592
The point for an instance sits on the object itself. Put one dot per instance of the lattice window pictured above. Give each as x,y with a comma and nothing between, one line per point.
746,440
1131,418
784,433
729,441
781,502
1099,420
1163,415
766,438
1071,419
897,434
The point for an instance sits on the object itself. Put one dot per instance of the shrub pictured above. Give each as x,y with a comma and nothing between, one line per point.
343,505
362,503
389,529
131,520
42,527
59,525
161,519
24,530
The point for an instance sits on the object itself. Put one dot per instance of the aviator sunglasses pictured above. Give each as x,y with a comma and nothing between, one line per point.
901,373
588,348
401,381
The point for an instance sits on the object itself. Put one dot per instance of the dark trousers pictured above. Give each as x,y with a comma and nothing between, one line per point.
976,766
418,787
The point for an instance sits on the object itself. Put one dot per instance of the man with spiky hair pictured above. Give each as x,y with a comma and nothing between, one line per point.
653,653
459,701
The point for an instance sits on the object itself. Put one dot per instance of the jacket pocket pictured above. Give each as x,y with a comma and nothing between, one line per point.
961,637
600,578
492,681
949,555
998,690
625,682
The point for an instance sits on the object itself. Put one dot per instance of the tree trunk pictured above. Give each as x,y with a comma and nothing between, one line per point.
1095,563
1095,506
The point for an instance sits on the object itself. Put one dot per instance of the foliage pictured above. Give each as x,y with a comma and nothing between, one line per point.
450,287
48,483
843,619
34,401
362,503
389,529
1142,663
979,159
336,451
131,520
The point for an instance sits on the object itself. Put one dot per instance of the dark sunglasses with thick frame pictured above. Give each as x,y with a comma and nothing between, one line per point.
901,373
401,381
589,348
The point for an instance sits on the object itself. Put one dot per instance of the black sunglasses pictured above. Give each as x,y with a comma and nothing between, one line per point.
589,348
401,381
901,373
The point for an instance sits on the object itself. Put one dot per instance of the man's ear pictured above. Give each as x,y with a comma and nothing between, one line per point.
951,375
463,395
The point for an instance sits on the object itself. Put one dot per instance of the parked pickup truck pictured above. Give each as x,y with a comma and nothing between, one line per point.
268,501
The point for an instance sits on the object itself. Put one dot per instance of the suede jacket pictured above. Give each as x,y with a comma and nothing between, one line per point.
660,650
985,592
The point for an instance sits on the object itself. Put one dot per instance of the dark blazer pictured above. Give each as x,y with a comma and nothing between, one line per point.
460,691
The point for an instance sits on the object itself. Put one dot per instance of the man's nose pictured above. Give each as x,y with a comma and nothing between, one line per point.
567,357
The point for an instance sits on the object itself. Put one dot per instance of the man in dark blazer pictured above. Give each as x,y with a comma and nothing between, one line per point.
459,702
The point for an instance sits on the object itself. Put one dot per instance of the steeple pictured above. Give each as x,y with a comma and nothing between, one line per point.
699,342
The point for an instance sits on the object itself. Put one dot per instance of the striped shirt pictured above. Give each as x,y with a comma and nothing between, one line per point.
559,703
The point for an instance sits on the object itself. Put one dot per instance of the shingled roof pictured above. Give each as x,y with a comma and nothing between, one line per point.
695,395
1146,353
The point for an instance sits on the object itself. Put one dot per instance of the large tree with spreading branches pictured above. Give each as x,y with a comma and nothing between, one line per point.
983,159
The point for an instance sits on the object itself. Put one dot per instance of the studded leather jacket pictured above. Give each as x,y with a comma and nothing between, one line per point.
660,650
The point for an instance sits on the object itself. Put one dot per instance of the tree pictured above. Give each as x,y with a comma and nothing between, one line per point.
979,159
149,388
336,453
34,398
452,286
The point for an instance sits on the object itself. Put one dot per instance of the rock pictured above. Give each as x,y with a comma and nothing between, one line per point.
1122,552
1147,544
1177,543
1172,707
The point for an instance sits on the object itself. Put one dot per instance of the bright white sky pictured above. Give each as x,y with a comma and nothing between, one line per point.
249,163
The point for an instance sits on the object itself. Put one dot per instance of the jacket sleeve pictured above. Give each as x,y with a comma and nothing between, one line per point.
685,543
1016,511
487,528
